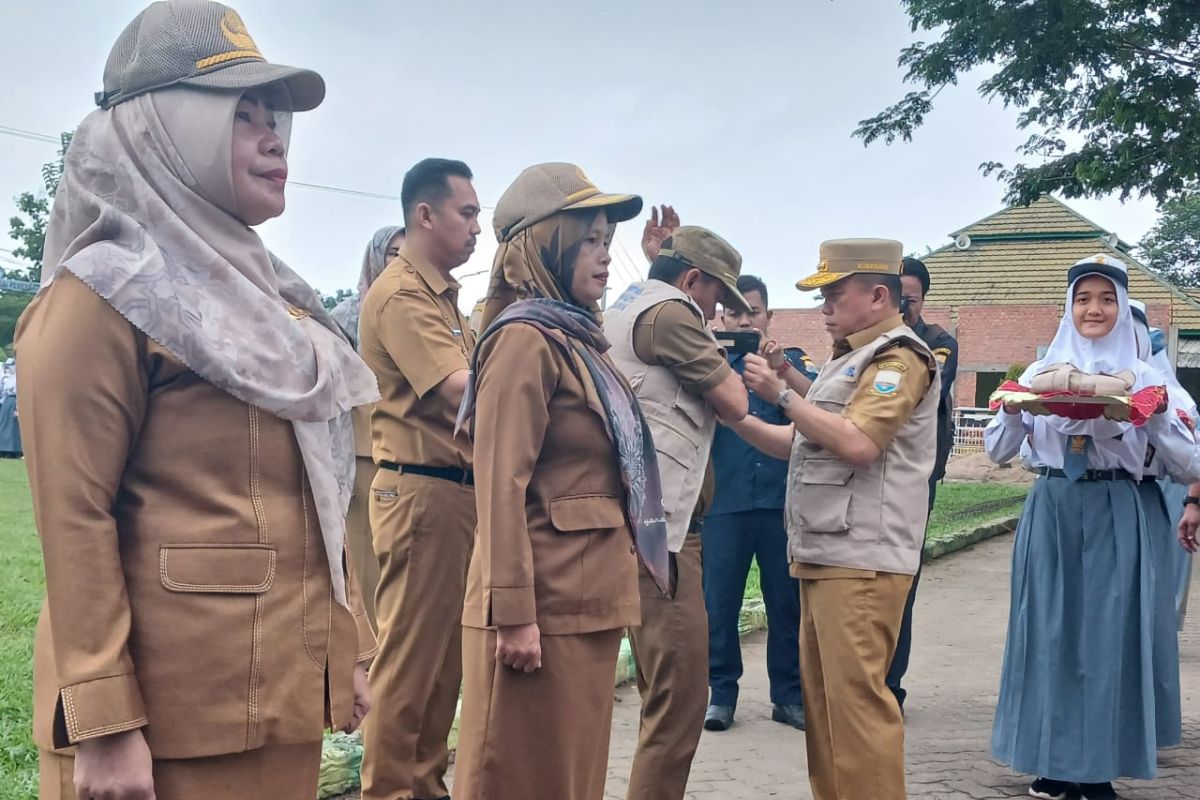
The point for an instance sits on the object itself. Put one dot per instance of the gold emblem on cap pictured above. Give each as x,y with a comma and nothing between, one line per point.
1100,259
583,177
823,266
234,31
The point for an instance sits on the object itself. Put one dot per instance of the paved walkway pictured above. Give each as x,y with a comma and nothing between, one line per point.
962,611
961,616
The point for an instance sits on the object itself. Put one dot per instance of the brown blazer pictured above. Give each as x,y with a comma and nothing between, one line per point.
187,589
553,544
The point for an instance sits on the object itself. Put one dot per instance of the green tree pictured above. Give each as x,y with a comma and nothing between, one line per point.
1172,247
331,301
33,213
1109,88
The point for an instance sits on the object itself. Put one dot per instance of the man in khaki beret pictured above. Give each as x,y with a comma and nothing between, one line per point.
862,445
662,342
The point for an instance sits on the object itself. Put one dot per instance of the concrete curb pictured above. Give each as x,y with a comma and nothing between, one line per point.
958,540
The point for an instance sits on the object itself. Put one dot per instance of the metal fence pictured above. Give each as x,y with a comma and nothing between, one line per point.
968,430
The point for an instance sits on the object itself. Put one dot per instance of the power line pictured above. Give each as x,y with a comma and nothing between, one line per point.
631,263
31,135
21,133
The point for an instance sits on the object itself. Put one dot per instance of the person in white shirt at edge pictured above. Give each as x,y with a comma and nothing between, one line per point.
1167,499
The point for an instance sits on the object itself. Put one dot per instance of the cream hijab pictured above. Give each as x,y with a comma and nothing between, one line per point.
146,216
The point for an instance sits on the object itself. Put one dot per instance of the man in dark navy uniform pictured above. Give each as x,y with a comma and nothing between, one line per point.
744,522
914,278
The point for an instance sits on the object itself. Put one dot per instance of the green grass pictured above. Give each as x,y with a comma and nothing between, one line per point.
20,599
955,498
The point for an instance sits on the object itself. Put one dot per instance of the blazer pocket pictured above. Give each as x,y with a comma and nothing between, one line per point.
823,498
586,513
217,568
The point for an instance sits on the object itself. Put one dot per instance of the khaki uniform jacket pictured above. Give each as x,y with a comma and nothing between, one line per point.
187,589
553,544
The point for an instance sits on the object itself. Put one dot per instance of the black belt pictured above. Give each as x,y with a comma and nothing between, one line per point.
453,474
1091,474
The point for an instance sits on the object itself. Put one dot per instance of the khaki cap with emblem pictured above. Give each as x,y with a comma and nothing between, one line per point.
543,190
841,258
701,248
196,43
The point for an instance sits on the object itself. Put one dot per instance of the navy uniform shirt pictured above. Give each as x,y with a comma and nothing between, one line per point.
747,479
945,350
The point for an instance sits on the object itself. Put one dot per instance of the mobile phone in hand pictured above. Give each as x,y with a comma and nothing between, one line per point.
739,342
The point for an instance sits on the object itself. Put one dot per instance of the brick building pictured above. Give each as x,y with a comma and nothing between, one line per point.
1000,285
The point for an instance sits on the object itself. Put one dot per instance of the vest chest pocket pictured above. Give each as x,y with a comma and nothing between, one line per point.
823,494
694,407
833,395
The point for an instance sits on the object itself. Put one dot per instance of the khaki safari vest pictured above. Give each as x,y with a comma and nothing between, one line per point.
871,517
682,424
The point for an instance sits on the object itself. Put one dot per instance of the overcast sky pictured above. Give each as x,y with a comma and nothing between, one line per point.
738,113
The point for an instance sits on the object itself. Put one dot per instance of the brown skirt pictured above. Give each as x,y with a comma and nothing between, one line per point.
543,734
280,772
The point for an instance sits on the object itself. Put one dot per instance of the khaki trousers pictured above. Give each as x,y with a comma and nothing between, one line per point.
539,735
280,772
358,536
671,650
424,529
855,732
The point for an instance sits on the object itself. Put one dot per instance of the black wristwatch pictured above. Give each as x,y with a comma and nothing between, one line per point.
1191,500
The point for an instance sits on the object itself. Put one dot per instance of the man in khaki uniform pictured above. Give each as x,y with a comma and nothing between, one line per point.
422,505
864,445
662,342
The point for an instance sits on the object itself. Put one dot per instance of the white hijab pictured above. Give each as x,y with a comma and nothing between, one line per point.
1114,352
1177,395
146,216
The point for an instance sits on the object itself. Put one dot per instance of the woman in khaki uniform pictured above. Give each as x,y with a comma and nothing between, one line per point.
383,247
185,402
567,495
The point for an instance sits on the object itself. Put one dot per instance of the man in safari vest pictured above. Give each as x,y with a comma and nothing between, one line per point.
862,445
662,342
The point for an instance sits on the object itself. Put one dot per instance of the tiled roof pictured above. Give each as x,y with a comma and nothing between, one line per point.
1045,215
1020,256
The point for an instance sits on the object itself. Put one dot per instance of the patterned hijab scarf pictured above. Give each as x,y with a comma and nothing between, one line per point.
531,282
346,313
147,217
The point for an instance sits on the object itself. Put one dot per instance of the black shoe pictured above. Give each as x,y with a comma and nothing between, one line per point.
789,715
1048,789
718,718
1097,791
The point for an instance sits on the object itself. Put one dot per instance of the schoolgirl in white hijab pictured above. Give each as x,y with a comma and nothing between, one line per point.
1113,445
1084,585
